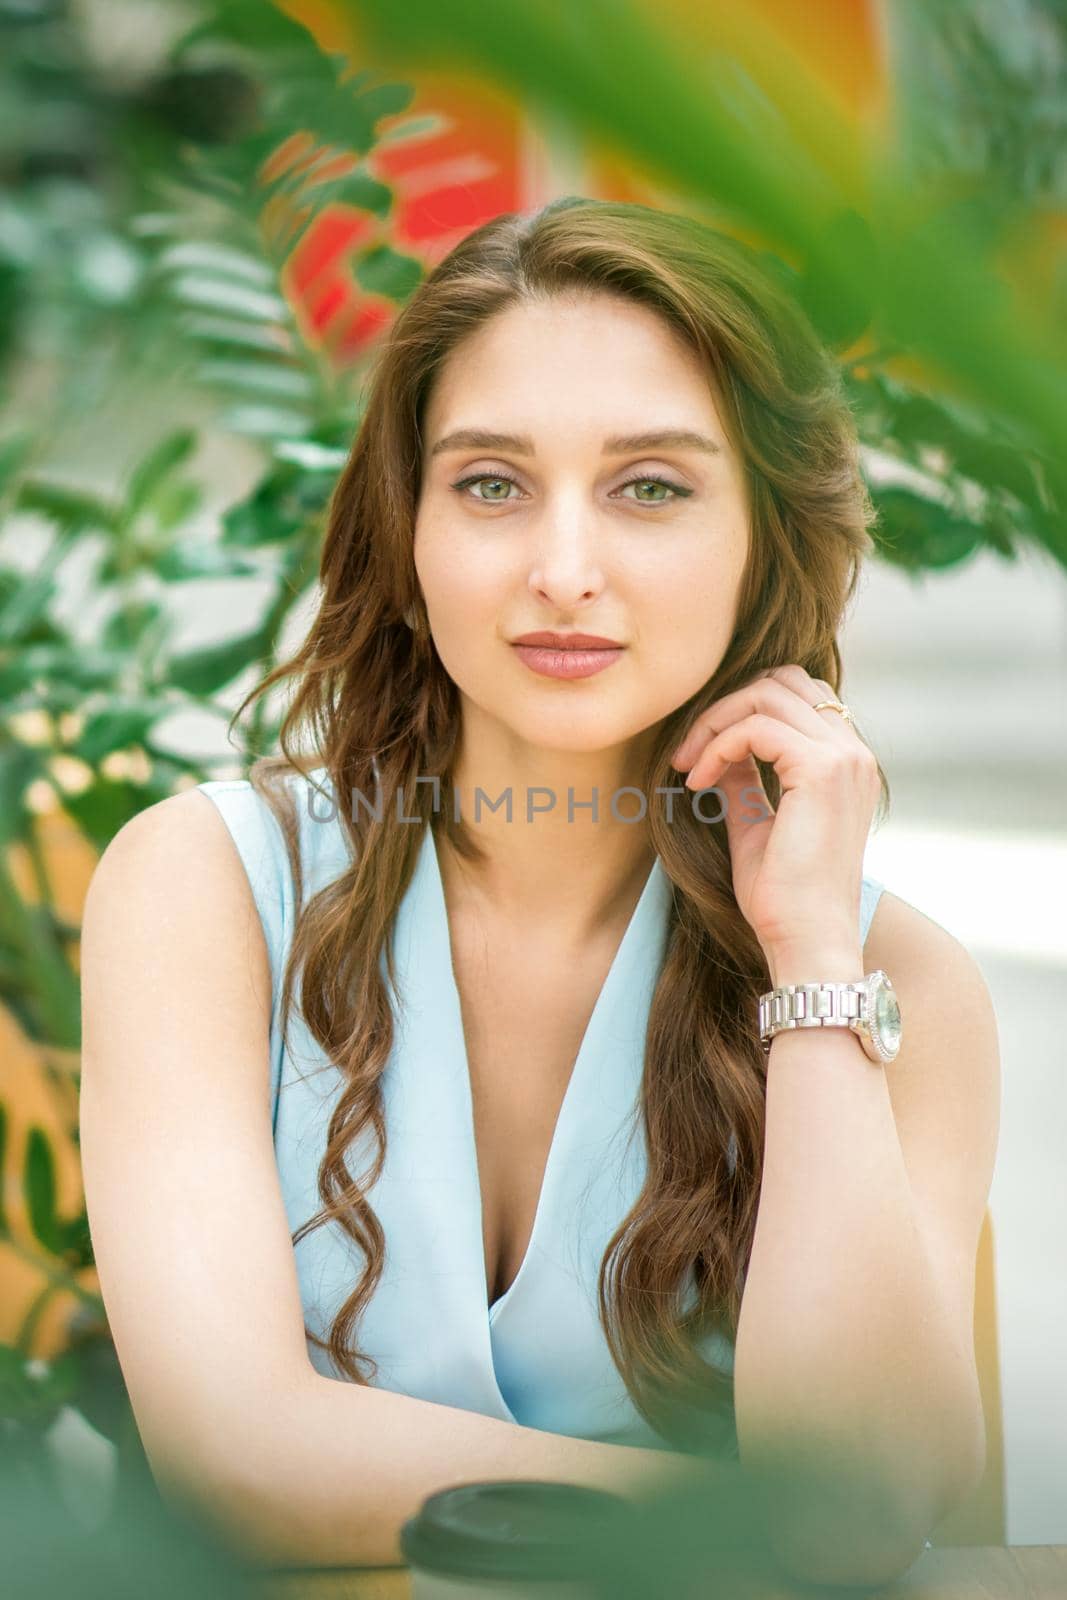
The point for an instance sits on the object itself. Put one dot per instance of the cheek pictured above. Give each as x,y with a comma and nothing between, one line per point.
447,569
688,627
704,611
692,599
463,590
461,594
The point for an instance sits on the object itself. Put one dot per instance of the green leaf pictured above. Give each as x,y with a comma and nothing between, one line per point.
280,505
414,127
387,272
150,474
33,1396
127,625
1000,534
356,188
211,668
248,23
39,1189
916,532
19,766
263,422
316,101
75,666
188,561
218,260
262,377
101,810
339,428
25,609
921,419
176,503
311,455
13,452
248,335
839,289
70,508
386,100
76,1245
233,299
22,1008
118,727
15,679
102,1393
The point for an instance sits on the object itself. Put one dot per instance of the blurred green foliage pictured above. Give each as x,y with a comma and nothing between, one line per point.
140,249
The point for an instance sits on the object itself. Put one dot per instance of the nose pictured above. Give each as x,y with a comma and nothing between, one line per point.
566,569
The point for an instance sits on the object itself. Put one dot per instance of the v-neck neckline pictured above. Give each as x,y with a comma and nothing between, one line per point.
651,893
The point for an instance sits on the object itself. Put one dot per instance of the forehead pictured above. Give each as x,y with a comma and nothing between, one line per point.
596,367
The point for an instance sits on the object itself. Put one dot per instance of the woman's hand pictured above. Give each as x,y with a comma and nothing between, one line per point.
797,871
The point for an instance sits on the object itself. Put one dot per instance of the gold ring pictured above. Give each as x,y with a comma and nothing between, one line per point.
835,705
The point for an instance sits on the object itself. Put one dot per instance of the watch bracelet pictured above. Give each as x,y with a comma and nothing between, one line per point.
810,1005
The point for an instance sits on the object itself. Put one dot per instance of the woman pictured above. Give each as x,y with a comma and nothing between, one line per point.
562,1193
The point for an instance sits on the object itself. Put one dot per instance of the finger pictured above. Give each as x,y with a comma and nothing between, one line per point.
788,750
765,695
812,691
739,789
747,800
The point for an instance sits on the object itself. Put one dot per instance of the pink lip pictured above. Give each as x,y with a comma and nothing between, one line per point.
568,641
554,663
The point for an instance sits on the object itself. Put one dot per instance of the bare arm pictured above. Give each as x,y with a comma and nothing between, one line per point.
192,1242
347,1465
856,1327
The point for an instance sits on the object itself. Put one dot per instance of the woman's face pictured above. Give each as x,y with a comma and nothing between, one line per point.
555,524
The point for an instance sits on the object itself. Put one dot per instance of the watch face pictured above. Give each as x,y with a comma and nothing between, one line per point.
885,1016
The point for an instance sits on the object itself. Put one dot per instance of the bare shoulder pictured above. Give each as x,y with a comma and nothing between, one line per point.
917,951
172,872
946,1007
179,828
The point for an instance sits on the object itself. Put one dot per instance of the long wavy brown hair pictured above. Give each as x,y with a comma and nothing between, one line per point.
373,703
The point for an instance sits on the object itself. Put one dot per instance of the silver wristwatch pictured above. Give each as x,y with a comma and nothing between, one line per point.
869,1007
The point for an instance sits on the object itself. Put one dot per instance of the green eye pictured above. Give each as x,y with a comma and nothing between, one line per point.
485,477
657,483
677,491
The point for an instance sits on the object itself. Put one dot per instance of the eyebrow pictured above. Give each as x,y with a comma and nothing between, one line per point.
521,444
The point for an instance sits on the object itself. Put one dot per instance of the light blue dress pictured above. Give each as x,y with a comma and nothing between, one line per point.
538,1355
